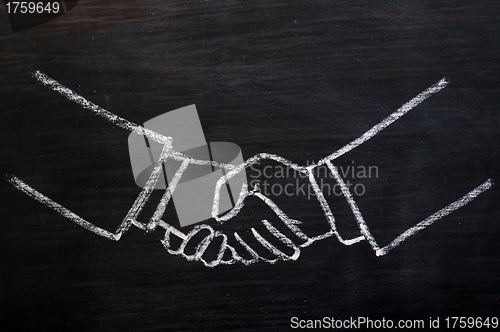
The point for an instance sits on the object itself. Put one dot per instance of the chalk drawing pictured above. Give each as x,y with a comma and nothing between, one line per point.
227,250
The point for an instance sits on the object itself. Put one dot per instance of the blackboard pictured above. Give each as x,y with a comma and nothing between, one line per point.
299,79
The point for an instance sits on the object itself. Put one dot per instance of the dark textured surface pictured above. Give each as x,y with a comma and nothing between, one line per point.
298,79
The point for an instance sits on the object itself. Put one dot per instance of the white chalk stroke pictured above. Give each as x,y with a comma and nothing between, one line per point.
228,253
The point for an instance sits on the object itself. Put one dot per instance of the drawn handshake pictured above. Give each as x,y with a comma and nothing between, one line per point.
208,180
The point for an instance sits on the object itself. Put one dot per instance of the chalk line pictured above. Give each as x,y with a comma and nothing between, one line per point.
59,208
387,121
113,118
354,207
466,199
